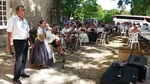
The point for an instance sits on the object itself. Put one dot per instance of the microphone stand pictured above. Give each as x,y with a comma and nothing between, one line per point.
63,58
123,71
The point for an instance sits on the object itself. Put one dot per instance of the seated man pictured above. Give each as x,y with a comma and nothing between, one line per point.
135,29
65,38
72,34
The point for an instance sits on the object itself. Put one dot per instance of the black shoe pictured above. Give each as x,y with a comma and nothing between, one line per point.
17,81
24,75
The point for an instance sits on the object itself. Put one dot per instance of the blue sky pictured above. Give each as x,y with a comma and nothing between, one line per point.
109,4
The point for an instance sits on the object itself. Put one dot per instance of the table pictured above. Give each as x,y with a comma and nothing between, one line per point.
145,34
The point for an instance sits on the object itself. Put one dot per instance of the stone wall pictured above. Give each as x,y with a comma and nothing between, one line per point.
36,10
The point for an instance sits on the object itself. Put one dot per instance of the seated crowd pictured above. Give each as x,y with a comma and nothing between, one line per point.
71,36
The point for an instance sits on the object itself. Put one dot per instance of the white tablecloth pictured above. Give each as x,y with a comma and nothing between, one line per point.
145,34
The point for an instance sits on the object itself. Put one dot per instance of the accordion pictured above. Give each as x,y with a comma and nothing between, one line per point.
92,30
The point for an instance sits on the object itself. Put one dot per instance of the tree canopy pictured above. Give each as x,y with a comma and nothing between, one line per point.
138,7
83,9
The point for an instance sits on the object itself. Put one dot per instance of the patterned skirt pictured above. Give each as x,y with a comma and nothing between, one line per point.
39,55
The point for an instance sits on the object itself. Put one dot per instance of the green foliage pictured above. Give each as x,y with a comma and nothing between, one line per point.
138,7
109,14
123,10
69,7
83,9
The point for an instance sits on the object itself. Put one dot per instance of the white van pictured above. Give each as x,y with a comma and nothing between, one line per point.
95,21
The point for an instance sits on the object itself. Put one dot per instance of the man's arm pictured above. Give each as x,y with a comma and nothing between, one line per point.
31,40
8,47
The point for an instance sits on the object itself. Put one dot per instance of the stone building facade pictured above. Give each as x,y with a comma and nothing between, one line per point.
36,10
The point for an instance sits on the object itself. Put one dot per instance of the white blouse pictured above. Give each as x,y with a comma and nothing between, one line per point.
100,29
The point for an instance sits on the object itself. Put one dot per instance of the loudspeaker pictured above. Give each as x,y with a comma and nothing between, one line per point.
111,76
119,75
139,62
130,75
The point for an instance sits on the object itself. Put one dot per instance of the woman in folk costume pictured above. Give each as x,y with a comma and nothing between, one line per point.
54,40
42,54
92,33
83,34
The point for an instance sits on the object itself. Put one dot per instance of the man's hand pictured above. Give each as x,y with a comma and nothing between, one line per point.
8,48
32,45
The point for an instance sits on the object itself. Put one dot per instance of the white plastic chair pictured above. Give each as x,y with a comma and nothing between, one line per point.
81,39
123,32
134,40
129,38
98,39
102,39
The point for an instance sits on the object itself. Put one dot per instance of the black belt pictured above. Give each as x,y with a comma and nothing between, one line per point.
19,39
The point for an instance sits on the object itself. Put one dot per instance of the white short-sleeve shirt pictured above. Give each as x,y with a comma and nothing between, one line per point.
40,31
64,30
100,29
19,28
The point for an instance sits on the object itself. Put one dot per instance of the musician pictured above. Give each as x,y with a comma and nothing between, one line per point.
64,33
72,35
72,29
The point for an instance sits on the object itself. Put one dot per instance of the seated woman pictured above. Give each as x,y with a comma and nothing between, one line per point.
92,33
83,34
41,54
54,40
54,29
100,30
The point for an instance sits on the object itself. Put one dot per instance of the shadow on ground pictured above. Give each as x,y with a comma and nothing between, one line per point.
84,66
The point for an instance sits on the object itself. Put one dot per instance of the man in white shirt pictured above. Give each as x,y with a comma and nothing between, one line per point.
18,30
64,32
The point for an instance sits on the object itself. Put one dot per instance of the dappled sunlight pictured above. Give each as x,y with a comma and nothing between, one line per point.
1,61
8,64
106,52
94,55
115,44
84,66
85,81
2,54
105,65
9,75
2,81
49,76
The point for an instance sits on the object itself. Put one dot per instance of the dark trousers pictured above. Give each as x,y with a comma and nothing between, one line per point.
21,49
